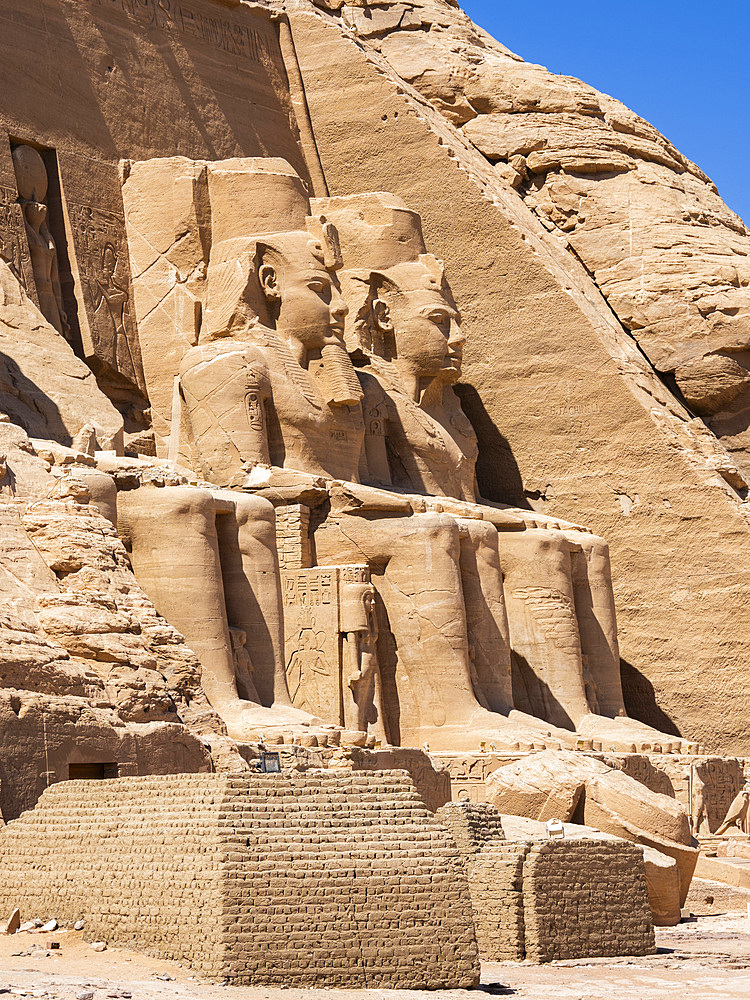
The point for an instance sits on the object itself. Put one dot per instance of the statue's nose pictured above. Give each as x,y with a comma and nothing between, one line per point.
456,337
339,308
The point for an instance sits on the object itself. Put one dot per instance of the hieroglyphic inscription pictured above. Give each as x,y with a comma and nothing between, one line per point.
310,588
101,252
14,249
293,536
311,639
644,770
226,33
469,772
715,784
355,574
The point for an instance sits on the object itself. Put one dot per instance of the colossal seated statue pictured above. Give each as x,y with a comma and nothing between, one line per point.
267,401
404,327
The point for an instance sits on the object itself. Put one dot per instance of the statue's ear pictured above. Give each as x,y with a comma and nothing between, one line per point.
268,278
381,315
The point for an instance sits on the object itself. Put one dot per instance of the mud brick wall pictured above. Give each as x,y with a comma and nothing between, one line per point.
138,858
341,879
494,868
496,887
585,898
472,824
550,899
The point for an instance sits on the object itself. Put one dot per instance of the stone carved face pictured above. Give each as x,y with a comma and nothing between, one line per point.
303,294
412,309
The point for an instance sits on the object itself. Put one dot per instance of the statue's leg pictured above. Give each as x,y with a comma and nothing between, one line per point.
252,588
486,616
545,641
103,491
171,534
172,537
597,621
420,586
427,684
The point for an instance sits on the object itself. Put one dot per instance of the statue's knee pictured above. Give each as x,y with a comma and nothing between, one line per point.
252,510
441,532
102,491
482,534
157,511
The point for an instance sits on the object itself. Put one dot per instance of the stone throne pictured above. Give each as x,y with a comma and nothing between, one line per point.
261,403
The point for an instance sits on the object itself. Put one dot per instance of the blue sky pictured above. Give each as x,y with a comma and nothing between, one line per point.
684,66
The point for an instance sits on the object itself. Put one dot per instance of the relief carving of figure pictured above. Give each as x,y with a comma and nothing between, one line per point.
32,183
361,674
110,298
738,815
314,683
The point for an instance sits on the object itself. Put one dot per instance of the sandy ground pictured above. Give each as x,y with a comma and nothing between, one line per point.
701,959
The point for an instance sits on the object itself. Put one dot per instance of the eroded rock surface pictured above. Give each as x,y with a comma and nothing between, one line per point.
671,258
75,625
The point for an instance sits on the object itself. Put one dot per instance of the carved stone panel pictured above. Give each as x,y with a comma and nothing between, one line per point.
14,249
312,641
330,640
104,272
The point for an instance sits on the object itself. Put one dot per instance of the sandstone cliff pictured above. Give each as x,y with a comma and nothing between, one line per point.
671,259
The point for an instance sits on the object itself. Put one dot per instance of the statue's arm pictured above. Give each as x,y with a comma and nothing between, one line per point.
226,392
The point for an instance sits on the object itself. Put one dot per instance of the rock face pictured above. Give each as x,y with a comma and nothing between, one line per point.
88,670
44,387
574,787
573,419
669,256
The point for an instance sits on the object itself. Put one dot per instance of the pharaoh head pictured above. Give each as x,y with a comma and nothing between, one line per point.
296,273
282,278
32,183
413,321
270,265
402,307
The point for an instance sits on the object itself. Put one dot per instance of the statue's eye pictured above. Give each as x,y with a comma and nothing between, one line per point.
318,286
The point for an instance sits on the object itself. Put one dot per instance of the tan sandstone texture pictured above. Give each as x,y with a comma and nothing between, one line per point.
339,421
292,881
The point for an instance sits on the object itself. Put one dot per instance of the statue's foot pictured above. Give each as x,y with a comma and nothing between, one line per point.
488,732
624,735
248,722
